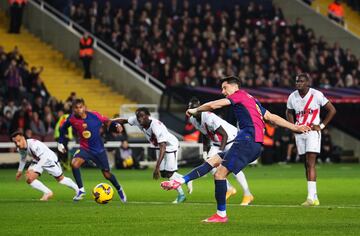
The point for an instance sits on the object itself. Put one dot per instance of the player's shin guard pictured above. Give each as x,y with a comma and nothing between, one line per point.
114,182
68,182
118,187
77,176
220,195
198,172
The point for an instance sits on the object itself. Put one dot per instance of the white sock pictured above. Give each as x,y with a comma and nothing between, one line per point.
36,184
68,182
312,190
178,177
228,184
240,177
213,170
221,213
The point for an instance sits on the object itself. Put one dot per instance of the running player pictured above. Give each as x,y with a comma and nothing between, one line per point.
221,135
42,159
166,144
250,116
87,125
305,103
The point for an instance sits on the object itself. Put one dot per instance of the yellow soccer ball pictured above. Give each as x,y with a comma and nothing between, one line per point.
103,193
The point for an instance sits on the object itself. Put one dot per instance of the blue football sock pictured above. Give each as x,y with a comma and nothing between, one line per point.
77,176
220,194
114,182
198,172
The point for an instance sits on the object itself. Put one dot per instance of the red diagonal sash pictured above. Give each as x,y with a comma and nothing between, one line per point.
306,112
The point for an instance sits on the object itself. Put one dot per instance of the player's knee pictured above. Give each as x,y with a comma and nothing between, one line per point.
214,161
75,165
30,177
59,178
219,175
107,174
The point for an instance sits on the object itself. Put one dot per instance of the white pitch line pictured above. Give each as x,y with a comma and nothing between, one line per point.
238,205
196,203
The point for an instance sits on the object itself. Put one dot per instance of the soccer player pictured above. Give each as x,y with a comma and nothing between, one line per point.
306,102
42,159
166,143
221,135
246,148
87,125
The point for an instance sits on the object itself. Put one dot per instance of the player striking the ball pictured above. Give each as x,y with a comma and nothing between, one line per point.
250,116
221,135
87,125
42,159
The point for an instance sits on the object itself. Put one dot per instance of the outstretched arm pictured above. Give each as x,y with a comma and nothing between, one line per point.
283,123
209,106
120,120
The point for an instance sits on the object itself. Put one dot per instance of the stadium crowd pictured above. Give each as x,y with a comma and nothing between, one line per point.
184,43
26,104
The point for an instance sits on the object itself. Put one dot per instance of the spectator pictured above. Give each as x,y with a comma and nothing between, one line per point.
14,80
336,12
16,13
86,53
125,158
37,126
11,108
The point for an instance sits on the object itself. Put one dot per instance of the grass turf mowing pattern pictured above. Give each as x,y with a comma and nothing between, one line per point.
278,192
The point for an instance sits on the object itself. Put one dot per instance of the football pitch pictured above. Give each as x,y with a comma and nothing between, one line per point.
278,191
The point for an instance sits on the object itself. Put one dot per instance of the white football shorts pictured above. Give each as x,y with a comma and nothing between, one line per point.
308,142
50,164
169,163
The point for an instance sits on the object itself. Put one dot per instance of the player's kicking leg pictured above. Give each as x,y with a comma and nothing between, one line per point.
76,163
109,176
173,175
196,173
31,179
312,199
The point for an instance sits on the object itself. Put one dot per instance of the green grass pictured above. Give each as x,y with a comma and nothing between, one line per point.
278,192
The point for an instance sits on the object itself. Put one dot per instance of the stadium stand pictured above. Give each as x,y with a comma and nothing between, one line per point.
195,45
352,16
24,96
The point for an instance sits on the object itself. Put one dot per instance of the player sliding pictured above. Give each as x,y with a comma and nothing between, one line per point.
250,116
166,143
306,102
87,125
42,159
221,135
